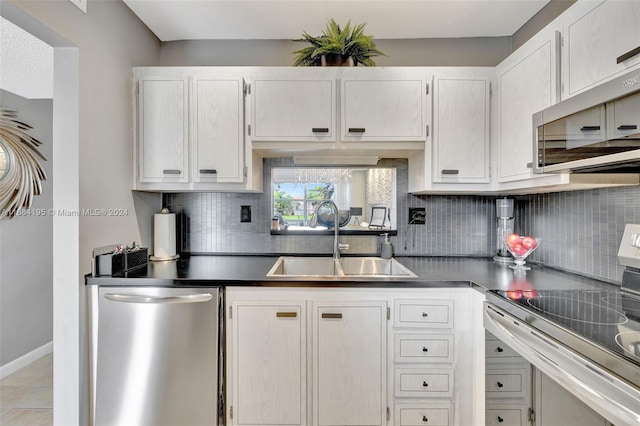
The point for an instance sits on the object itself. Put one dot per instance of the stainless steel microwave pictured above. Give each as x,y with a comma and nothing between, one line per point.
595,131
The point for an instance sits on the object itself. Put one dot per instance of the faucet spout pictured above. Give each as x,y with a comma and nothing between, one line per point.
336,227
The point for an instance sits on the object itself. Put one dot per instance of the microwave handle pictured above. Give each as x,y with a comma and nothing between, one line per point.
537,165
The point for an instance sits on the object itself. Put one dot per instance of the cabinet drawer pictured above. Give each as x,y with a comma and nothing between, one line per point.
434,382
506,416
423,414
424,348
506,384
424,313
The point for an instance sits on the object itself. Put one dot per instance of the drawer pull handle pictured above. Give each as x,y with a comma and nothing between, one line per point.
627,127
425,349
499,349
424,315
320,130
286,314
425,419
208,172
331,316
425,384
357,129
171,172
500,419
630,54
499,384
529,165
589,128
450,171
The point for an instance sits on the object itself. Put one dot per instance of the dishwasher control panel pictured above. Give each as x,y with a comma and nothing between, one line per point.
629,252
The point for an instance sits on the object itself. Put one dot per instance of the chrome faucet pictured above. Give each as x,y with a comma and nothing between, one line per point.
336,226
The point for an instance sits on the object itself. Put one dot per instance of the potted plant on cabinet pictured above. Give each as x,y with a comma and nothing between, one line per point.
347,46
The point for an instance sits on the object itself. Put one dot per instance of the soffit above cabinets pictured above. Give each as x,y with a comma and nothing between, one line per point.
386,19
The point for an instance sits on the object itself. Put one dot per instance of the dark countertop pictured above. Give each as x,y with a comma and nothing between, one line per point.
431,271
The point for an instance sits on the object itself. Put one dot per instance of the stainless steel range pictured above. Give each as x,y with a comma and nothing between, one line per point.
586,340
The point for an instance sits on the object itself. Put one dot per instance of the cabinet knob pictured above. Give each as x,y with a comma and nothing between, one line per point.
425,349
171,172
499,385
320,129
450,171
425,419
357,129
627,127
425,384
500,419
424,315
499,349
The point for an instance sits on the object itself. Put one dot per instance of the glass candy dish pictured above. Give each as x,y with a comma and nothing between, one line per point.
520,249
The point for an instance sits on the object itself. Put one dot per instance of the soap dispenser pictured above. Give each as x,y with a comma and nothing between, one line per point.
386,251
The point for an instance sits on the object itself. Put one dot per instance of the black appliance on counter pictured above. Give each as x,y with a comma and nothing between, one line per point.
586,340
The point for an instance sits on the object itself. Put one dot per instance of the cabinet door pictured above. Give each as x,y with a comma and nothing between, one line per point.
349,363
269,363
384,110
218,146
163,130
597,40
293,110
461,129
556,406
524,88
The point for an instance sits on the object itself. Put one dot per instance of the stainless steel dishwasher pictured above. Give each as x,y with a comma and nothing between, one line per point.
154,354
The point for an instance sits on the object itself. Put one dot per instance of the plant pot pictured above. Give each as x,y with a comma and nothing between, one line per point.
336,60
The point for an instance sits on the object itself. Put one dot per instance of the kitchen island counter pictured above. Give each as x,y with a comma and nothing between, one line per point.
239,270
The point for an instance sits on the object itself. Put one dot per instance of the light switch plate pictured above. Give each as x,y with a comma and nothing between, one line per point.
245,213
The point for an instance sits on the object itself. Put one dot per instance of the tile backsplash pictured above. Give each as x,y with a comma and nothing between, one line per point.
580,230
210,223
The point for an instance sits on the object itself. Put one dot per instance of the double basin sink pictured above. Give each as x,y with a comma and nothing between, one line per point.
345,267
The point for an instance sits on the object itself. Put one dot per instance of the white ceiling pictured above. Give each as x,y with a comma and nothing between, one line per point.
385,19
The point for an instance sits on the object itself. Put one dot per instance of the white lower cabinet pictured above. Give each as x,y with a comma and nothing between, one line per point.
349,363
323,356
269,362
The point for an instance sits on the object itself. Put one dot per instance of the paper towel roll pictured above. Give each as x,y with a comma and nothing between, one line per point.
164,236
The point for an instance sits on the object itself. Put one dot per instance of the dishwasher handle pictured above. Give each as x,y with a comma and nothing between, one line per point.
159,300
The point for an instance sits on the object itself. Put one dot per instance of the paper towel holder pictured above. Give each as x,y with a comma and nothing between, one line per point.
171,230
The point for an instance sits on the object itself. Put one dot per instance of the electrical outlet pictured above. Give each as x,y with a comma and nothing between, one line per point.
245,213
417,216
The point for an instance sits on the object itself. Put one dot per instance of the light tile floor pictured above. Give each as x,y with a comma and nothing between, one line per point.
26,396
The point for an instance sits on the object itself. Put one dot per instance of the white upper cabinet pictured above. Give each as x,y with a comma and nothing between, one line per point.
600,43
218,143
527,83
461,124
191,134
163,129
294,107
383,108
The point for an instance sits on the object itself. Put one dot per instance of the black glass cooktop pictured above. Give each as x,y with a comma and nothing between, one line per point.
609,319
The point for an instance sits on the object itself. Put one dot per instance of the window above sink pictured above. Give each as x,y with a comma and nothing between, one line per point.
365,196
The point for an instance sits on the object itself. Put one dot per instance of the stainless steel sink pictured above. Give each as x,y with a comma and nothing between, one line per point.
346,267
305,266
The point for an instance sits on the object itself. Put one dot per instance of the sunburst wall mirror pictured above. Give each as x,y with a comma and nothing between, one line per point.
21,173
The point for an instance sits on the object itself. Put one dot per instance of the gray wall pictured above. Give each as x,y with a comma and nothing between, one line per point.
111,39
210,223
26,259
539,21
480,51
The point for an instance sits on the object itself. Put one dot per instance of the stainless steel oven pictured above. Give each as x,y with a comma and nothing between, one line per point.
595,131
